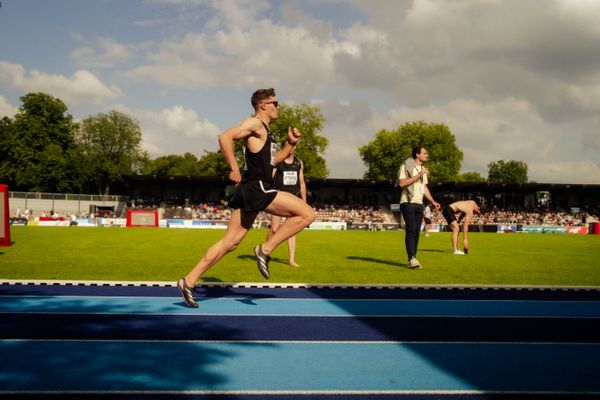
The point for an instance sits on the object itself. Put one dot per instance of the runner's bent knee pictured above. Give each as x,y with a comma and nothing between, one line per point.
307,214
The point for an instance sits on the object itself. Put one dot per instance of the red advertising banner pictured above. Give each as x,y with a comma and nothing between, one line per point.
577,230
141,218
4,217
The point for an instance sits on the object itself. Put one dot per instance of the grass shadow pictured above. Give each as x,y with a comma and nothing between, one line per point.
377,260
249,257
210,279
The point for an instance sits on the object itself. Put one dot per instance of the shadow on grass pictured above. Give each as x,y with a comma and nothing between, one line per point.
379,261
249,257
211,279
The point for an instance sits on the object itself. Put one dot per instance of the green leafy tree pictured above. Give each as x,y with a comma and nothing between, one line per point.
173,164
507,171
40,153
384,155
210,164
471,177
311,148
5,143
110,144
213,164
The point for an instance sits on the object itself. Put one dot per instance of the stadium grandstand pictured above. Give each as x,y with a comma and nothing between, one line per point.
339,203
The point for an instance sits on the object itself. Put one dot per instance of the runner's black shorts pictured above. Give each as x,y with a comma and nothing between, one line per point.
448,213
427,220
251,197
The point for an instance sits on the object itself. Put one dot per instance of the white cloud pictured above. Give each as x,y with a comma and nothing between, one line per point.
185,123
110,53
428,50
174,130
585,97
6,109
338,112
591,140
584,171
294,58
293,15
240,13
82,87
585,11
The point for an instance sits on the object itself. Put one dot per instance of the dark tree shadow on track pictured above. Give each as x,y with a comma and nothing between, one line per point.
115,366
108,349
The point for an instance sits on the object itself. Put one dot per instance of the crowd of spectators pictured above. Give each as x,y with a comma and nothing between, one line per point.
203,211
349,213
532,216
356,213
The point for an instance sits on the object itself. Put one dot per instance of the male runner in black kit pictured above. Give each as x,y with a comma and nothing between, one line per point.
255,190
289,177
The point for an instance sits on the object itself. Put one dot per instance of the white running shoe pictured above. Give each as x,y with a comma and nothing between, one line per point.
458,253
414,263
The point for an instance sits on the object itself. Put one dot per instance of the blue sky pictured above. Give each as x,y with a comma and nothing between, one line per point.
513,80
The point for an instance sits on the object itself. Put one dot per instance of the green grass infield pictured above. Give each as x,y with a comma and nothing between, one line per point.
328,257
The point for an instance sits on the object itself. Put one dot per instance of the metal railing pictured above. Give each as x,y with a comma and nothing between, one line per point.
66,196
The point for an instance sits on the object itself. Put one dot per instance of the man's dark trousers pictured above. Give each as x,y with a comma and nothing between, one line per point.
413,216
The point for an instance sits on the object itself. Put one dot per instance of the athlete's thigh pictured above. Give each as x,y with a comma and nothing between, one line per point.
235,230
287,205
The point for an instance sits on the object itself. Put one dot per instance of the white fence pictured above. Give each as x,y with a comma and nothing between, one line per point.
61,203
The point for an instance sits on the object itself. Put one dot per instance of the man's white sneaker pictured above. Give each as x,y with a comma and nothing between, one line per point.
458,253
414,263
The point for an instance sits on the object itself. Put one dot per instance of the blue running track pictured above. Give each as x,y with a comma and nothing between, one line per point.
97,341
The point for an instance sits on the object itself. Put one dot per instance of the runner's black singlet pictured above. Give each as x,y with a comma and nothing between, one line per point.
259,166
287,177
256,191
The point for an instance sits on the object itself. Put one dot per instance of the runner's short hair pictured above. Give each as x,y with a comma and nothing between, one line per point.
260,95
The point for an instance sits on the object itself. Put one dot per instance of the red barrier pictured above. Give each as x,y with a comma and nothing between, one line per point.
577,230
4,217
51,219
141,218
595,228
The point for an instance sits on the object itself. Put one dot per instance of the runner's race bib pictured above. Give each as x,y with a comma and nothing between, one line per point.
274,149
290,178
